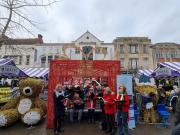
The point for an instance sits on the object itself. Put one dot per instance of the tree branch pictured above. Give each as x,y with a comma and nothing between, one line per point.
35,5
24,27
8,21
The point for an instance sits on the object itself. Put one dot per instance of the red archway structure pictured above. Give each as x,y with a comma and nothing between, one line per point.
63,70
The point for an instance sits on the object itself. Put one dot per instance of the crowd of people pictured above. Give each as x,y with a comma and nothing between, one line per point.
73,99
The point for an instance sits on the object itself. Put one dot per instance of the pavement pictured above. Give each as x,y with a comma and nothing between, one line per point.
79,129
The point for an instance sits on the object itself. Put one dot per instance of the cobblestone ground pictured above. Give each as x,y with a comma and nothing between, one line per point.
79,129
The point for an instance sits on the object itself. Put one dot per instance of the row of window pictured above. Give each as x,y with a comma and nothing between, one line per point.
98,50
18,59
133,48
46,60
133,63
172,54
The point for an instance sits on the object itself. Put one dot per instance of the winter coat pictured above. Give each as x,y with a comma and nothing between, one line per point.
109,106
91,101
123,105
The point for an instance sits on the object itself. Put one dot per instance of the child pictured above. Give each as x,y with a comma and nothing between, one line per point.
91,104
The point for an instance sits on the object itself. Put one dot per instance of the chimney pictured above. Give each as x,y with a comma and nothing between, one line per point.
40,39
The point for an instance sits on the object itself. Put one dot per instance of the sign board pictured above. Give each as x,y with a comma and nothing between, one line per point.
164,71
125,80
9,69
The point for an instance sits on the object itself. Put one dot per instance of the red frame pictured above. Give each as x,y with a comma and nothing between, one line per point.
63,70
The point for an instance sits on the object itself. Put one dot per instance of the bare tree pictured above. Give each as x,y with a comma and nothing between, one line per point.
14,16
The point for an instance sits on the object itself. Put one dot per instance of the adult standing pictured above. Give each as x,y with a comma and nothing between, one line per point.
110,110
176,129
122,101
59,108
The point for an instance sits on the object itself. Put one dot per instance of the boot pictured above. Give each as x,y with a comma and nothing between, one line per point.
109,129
113,132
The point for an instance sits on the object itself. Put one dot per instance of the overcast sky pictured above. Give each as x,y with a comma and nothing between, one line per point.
107,19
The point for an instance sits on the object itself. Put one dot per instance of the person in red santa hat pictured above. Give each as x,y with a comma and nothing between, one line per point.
110,110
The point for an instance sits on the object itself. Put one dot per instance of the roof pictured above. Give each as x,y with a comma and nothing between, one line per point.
9,69
87,32
165,43
5,61
172,65
138,39
146,72
23,41
36,72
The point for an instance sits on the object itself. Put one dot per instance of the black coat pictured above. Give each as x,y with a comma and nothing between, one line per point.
59,108
177,112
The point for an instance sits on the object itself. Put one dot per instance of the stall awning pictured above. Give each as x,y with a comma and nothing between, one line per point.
167,69
6,62
9,69
146,72
36,72
172,65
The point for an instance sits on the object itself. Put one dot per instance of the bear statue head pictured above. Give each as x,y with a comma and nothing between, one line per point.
30,87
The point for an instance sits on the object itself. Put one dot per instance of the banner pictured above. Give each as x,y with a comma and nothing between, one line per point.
164,71
9,69
125,80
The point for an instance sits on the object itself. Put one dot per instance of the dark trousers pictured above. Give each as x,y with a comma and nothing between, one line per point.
91,114
122,121
110,120
103,118
176,130
57,123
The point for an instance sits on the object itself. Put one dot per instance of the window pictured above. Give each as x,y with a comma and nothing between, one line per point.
77,50
133,63
122,62
50,58
98,50
35,54
145,49
121,48
133,48
20,60
104,50
27,59
15,59
43,61
145,63
87,50
56,57
174,54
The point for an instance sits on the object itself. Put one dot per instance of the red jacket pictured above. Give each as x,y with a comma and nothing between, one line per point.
91,103
125,105
109,106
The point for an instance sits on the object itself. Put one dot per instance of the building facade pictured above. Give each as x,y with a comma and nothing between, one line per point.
134,53
86,47
165,52
20,50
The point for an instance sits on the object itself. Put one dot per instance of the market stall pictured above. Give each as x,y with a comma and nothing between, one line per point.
8,73
146,72
168,70
36,72
9,69
167,75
